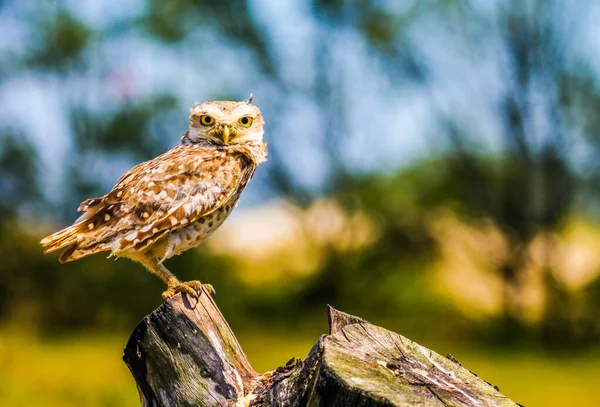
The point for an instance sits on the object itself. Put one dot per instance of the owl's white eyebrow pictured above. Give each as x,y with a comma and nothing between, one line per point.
208,109
244,110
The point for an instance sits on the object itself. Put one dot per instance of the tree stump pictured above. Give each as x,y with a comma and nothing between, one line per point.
185,354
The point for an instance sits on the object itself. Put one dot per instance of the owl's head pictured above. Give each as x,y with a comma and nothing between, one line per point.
226,122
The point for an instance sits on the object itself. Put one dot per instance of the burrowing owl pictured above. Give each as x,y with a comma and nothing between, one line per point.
172,203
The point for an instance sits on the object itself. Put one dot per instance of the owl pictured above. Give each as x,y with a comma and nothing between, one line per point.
174,202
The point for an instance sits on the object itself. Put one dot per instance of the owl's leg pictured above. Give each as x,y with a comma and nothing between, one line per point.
174,286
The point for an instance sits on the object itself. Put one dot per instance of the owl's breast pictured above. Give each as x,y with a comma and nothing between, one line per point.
197,232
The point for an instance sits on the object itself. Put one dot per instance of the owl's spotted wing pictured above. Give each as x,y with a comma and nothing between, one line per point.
156,198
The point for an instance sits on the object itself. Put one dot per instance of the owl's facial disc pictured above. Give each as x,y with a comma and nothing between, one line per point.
226,122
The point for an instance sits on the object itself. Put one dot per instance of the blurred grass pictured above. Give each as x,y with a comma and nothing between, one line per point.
539,379
82,371
88,371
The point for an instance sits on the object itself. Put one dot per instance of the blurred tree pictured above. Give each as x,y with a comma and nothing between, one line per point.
521,151
537,179
18,175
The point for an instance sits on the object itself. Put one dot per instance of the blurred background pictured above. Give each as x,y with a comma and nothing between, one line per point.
434,168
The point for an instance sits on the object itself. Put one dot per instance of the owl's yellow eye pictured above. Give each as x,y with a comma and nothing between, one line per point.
246,121
207,120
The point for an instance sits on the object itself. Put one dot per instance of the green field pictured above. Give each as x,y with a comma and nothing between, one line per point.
88,371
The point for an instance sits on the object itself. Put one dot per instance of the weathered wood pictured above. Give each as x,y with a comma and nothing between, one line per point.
338,319
184,354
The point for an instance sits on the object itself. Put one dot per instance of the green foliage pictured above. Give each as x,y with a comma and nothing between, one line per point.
170,21
18,174
63,39
127,130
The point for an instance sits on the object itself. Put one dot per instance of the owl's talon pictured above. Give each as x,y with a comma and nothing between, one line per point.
191,288
210,290
197,286
194,284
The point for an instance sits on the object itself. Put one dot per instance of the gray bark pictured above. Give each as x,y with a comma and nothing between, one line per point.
185,354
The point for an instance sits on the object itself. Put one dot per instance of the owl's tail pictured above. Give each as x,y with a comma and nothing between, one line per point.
66,238
75,238
78,241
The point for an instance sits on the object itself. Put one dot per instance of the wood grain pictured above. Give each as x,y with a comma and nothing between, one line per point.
185,354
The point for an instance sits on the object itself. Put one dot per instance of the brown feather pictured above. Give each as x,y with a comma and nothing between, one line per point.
156,198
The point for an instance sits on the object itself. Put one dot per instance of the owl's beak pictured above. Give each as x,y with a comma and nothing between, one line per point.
226,133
